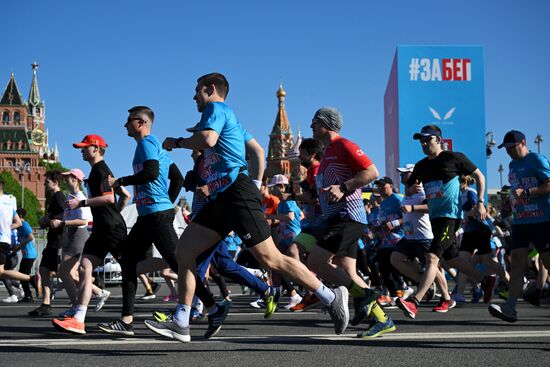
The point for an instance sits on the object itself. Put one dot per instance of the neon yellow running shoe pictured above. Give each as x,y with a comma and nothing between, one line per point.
271,302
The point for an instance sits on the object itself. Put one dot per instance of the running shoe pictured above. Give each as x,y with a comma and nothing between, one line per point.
69,324
170,298
378,329
408,307
308,302
362,306
100,299
195,314
338,309
488,286
215,321
458,298
384,300
42,310
170,329
533,297
477,295
294,300
271,302
117,327
67,313
503,312
259,303
148,295
404,293
26,299
163,316
10,299
444,305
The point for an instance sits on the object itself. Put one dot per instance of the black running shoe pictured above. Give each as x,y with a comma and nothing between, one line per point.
42,310
215,321
117,327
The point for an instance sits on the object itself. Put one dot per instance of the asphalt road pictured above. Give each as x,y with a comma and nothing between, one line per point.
466,335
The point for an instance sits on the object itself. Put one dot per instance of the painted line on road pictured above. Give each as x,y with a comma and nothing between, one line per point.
286,337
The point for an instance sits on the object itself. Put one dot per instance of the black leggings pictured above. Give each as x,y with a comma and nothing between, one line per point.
25,267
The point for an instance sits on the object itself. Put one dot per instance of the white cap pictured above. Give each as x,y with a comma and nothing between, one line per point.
408,168
278,180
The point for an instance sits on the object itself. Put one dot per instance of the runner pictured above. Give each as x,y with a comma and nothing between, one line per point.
50,258
343,171
529,177
439,173
108,229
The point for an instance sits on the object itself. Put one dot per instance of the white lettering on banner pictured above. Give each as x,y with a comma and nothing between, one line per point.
440,70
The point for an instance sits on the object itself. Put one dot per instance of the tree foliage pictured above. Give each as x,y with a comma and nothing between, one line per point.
32,205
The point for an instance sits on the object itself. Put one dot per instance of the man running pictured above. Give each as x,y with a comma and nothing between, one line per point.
439,173
529,177
108,229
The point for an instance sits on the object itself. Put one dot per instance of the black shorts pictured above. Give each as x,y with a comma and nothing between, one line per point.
239,209
5,251
50,258
535,233
444,242
339,236
104,240
479,239
413,249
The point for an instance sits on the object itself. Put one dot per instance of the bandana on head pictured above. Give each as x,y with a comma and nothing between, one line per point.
330,117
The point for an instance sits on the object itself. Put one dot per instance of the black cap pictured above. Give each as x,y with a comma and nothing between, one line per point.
383,181
427,131
511,138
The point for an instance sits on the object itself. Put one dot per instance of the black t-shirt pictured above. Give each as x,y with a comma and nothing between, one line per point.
446,166
97,185
55,210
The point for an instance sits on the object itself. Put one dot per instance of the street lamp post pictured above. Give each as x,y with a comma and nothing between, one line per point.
500,170
538,140
22,168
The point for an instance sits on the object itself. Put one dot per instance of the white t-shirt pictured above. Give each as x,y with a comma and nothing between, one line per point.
416,225
78,213
7,213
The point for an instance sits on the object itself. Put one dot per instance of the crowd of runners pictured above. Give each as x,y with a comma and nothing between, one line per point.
317,241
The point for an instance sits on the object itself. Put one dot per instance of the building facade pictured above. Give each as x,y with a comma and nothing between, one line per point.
23,138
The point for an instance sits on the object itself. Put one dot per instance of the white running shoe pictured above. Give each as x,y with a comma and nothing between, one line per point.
294,300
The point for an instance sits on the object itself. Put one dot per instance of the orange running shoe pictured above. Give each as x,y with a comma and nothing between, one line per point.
69,324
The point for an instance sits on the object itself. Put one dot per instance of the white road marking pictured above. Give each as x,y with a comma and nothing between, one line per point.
274,338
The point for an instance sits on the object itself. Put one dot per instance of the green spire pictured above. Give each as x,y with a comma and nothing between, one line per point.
34,94
11,96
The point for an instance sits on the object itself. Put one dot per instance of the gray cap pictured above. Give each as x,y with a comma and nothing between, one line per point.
330,117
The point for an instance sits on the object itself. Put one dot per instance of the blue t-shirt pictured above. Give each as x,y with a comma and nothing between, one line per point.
528,172
390,209
153,196
290,229
29,251
227,158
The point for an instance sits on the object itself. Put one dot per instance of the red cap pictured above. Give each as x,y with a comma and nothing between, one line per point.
90,140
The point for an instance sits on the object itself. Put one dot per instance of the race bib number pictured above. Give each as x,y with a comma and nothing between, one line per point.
408,228
434,189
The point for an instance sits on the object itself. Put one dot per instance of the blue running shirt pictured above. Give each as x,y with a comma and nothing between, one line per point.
29,251
390,209
227,158
153,196
440,177
528,172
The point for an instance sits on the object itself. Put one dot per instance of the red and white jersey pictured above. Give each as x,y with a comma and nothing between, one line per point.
342,160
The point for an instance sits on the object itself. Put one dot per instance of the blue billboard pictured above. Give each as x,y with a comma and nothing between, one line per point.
439,85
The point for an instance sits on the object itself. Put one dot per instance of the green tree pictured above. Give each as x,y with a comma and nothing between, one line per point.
32,205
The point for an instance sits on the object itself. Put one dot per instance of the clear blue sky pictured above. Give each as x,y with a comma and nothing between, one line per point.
99,58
